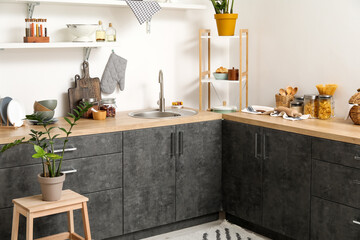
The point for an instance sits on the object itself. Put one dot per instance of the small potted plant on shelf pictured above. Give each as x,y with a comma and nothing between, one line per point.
51,179
225,18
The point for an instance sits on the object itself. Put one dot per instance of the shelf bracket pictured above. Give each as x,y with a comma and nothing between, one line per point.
31,8
87,51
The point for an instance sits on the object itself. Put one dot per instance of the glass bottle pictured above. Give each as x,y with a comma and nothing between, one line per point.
108,105
110,34
100,33
325,107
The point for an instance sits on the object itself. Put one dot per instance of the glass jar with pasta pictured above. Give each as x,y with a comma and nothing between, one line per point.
311,105
325,107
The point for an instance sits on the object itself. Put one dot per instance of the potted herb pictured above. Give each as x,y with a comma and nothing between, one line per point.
51,179
225,18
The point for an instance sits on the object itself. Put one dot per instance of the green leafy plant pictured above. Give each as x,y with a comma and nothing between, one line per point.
43,141
222,6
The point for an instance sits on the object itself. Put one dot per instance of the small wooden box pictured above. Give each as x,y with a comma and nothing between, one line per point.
36,39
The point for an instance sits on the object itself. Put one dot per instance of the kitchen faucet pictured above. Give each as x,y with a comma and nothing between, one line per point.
161,94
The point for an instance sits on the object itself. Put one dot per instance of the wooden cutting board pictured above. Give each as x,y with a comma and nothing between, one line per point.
85,87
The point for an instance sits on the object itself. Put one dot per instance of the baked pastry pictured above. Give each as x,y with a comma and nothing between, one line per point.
221,70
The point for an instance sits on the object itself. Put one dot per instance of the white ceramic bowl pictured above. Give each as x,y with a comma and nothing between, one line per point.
83,32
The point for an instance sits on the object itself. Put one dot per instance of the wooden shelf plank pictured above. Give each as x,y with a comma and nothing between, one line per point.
113,3
213,80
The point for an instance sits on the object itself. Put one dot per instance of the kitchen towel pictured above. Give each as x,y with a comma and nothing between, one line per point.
114,73
143,10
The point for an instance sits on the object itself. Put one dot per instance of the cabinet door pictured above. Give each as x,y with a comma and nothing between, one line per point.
242,170
286,183
198,169
149,178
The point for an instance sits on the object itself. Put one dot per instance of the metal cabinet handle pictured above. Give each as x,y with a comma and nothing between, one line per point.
181,143
356,222
69,171
264,147
356,182
71,149
357,157
172,150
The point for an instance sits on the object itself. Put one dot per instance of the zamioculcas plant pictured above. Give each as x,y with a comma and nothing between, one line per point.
222,6
43,141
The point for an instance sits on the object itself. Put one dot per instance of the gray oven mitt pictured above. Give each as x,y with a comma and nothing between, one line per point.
114,72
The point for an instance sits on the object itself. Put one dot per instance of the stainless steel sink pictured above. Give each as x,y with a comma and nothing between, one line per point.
169,113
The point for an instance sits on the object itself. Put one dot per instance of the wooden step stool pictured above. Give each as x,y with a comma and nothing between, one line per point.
34,207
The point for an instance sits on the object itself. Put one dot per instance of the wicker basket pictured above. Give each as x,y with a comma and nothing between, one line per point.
355,114
283,101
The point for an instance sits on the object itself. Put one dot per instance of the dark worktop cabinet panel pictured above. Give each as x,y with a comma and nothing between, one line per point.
286,183
242,171
198,169
149,178
336,183
333,221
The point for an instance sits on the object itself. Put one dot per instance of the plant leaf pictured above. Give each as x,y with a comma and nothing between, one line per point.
66,119
39,150
63,129
53,156
37,155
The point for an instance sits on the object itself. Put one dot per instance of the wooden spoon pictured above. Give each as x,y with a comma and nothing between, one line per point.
294,91
282,92
289,90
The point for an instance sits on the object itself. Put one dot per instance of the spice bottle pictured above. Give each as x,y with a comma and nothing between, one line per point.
298,106
110,34
45,27
100,33
108,105
27,27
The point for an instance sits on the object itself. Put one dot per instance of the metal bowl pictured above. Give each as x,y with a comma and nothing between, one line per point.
82,32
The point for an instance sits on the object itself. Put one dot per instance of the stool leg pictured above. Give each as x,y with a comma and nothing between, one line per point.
70,215
15,224
86,223
29,227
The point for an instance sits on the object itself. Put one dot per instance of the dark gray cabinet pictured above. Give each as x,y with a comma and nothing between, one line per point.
286,183
242,171
334,221
198,169
149,178
266,178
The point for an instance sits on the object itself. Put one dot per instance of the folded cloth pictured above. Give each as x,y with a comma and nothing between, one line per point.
285,116
114,73
143,10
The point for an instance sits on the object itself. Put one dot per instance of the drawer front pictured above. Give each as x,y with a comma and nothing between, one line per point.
92,145
334,221
86,146
336,152
105,216
336,183
93,174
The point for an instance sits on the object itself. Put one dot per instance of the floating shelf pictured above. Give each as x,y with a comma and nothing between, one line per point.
4,46
114,3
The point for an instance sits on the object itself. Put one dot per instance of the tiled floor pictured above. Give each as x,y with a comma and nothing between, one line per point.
184,233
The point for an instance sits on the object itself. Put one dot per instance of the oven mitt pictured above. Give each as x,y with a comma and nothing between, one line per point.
114,73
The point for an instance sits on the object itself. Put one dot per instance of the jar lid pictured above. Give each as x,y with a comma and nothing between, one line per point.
299,98
108,100
296,103
310,96
89,100
325,96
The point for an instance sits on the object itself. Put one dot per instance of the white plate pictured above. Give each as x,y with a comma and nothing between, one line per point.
15,113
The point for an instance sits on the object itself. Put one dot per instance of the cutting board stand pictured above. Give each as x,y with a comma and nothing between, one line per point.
7,124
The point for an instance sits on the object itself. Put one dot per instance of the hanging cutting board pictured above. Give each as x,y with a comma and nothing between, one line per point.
93,84
85,87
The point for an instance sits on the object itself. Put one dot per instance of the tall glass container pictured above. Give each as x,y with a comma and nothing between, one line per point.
311,105
325,107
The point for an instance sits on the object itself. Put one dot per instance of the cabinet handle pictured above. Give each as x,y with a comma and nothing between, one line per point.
264,147
181,143
356,222
356,157
69,171
172,151
356,182
71,149
256,145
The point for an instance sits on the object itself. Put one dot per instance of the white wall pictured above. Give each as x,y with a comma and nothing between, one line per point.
298,43
302,43
36,74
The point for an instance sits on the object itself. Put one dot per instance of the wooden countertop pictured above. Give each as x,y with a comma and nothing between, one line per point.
122,122
335,129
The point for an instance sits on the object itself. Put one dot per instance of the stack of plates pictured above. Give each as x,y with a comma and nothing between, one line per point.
11,110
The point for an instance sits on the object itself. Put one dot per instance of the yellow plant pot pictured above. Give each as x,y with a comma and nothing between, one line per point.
226,23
